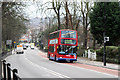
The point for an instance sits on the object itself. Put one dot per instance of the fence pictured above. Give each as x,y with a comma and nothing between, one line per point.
8,73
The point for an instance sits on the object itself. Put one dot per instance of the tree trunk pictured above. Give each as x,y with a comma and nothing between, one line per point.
94,46
58,19
84,32
66,7
85,38
57,11
77,25
70,17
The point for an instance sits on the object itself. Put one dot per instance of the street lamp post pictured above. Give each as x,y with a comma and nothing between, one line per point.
104,55
104,51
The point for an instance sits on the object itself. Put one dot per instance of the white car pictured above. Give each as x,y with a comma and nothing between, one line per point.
32,45
19,49
27,45
24,47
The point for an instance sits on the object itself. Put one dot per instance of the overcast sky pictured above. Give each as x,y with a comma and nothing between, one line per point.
32,9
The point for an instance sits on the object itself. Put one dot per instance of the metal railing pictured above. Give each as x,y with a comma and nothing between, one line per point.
6,72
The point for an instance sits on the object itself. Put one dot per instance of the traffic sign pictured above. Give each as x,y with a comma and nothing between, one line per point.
106,39
8,42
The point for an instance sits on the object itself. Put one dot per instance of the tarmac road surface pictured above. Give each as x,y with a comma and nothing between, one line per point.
34,64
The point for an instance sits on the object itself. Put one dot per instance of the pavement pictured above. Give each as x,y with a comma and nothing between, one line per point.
98,63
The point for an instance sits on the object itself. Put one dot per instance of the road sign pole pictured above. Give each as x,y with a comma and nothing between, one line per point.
14,45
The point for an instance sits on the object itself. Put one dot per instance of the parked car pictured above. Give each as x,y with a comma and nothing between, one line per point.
32,45
27,45
24,47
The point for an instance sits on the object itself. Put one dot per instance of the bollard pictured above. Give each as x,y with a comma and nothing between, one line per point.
8,71
4,69
14,75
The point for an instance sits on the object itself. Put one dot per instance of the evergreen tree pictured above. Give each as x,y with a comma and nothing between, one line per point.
105,17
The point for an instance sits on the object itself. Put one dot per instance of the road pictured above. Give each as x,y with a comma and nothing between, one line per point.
34,64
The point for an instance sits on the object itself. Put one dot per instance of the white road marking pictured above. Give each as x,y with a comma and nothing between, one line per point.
47,70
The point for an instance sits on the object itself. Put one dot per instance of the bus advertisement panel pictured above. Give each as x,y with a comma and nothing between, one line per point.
62,45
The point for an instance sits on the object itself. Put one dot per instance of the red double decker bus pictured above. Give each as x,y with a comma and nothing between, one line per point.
62,45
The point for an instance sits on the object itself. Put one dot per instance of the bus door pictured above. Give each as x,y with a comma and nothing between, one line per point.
54,48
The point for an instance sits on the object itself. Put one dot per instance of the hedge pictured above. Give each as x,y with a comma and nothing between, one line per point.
112,54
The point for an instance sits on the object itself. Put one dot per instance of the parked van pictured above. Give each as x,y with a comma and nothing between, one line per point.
19,49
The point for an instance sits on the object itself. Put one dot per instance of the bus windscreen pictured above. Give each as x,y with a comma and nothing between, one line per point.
68,34
64,49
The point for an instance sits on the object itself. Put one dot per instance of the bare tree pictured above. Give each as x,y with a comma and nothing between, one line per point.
85,9
80,15
68,16
56,6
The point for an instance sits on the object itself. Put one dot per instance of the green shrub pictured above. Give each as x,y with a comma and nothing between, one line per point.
37,45
112,53
92,50
99,53
80,52
119,55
